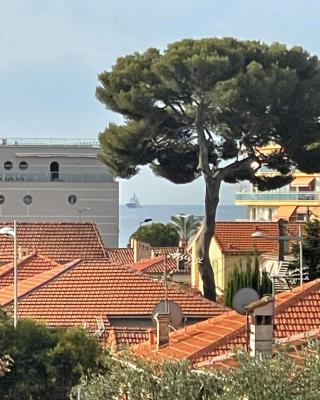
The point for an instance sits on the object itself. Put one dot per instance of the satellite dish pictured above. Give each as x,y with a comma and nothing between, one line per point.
243,298
173,308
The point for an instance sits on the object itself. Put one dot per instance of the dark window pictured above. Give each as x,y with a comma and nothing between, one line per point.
54,171
23,165
2,199
268,320
27,199
72,199
8,165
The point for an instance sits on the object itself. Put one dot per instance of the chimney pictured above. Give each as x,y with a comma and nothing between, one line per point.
151,336
141,250
261,315
163,329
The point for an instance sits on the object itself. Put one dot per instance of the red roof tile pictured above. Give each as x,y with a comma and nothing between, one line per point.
61,242
28,285
97,288
120,255
156,265
295,312
235,237
28,267
125,255
119,337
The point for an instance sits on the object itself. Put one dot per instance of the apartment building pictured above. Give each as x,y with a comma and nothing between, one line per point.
48,180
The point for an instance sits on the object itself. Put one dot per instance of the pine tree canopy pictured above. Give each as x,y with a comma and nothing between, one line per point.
242,94
209,107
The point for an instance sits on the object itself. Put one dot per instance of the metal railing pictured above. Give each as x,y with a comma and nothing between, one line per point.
53,177
278,196
49,142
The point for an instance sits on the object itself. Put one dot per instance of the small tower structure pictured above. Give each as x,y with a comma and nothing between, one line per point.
261,326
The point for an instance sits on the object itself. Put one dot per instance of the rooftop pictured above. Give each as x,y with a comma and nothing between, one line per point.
59,241
235,237
98,288
296,312
156,265
28,267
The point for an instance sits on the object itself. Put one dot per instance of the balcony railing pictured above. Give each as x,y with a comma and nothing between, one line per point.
52,177
279,196
49,142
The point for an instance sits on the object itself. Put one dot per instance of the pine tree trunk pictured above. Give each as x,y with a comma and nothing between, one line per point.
211,203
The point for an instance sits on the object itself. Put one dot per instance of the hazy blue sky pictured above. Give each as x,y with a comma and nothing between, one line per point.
52,51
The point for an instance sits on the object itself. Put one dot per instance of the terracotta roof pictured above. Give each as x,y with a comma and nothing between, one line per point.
28,267
125,256
156,265
119,337
28,285
235,237
97,288
61,242
120,255
295,312
295,345
164,250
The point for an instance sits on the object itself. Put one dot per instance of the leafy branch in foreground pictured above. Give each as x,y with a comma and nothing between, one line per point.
260,378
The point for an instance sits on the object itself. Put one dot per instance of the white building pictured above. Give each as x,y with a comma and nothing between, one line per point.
58,180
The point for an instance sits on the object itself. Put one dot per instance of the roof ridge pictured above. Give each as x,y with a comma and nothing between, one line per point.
95,228
33,283
21,261
48,259
285,299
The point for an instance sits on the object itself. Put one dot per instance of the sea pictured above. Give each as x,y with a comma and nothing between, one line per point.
130,218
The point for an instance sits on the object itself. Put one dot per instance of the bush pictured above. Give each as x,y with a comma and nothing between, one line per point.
47,362
263,378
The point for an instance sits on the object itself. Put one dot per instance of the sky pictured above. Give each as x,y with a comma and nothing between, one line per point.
52,52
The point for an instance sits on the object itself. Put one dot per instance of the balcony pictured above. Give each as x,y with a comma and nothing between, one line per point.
52,177
49,142
283,196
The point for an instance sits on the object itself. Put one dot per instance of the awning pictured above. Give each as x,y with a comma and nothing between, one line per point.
285,212
302,181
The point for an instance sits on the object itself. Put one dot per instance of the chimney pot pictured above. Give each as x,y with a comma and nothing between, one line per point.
261,326
163,329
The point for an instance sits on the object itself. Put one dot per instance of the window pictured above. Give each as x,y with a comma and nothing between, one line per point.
2,199
23,165
27,199
54,171
72,199
8,165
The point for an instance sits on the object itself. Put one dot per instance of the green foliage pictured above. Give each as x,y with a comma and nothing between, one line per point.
260,378
193,109
47,362
157,234
186,225
241,93
310,249
247,277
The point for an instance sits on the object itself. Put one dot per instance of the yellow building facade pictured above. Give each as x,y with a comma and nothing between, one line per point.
231,245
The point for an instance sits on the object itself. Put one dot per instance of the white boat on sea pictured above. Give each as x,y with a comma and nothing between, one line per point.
133,202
